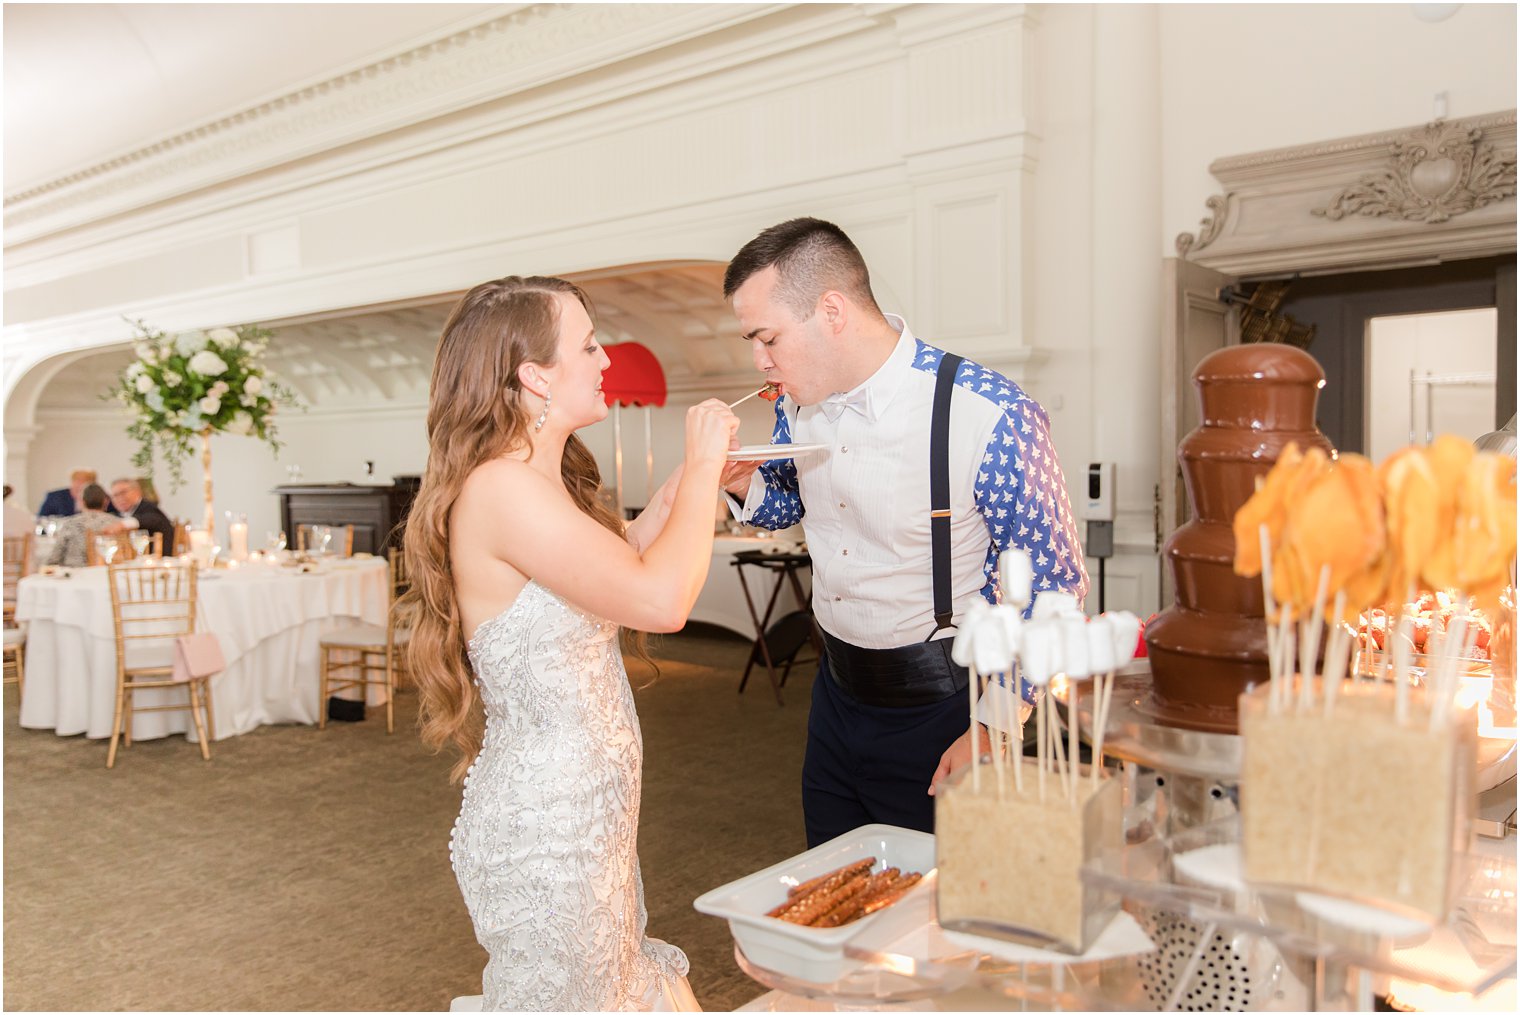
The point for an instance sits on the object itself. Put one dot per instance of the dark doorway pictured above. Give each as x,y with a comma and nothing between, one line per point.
1341,305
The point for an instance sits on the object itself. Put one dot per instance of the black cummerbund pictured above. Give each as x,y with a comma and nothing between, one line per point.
921,674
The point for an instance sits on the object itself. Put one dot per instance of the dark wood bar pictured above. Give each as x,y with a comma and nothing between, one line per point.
375,511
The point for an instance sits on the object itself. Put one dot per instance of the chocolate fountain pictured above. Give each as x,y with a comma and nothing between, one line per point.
1211,645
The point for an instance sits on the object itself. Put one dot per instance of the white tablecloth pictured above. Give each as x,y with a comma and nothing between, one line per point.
268,620
722,599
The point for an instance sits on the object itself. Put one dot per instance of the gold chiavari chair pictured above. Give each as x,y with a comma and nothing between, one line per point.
18,564
378,650
181,538
124,549
342,543
18,559
150,608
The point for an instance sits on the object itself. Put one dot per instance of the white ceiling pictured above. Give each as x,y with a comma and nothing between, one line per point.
345,361
86,82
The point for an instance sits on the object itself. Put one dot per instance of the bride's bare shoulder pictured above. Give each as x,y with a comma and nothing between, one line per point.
500,476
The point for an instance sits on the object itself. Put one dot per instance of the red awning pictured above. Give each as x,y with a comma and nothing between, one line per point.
634,378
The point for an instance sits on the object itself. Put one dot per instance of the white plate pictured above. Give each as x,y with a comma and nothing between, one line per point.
772,452
811,953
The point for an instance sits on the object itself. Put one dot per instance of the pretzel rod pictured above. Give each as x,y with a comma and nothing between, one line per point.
838,901
802,893
897,891
853,907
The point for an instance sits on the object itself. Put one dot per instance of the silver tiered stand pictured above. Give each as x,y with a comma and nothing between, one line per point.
1220,945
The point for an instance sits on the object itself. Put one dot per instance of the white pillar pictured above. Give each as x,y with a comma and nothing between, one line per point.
1126,269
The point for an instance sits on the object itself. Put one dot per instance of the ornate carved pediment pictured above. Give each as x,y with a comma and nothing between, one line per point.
1440,170
1420,194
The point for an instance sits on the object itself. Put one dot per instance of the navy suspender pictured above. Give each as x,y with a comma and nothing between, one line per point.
939,492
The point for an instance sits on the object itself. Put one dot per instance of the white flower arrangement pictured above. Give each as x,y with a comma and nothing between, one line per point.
196,384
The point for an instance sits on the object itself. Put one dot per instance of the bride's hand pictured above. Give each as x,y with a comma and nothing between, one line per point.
710,428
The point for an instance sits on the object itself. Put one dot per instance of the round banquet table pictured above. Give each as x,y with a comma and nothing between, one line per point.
268,619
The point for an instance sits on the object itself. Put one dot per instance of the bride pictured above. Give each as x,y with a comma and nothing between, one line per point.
521,579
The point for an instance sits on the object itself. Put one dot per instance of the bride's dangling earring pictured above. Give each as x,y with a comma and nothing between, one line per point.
539,423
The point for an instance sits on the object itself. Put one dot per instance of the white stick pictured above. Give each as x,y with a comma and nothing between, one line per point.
1073,739
1403,646
1281,688
1018,723
976,741
1336,654
1102,696
1059,752
1311,642
1039,740
1267,600
997,750
1450,665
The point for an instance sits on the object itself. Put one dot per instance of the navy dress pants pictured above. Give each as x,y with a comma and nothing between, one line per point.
867,764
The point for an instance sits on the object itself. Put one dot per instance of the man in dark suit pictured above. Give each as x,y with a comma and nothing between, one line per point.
65,500
128,499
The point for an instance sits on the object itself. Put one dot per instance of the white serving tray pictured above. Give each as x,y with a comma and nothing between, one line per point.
811,953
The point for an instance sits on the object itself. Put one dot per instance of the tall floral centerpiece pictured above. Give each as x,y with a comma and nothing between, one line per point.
193,385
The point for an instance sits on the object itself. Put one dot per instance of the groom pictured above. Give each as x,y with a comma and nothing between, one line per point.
936,466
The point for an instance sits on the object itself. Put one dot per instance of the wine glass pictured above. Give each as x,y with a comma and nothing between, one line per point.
324,534
274,541
140,541
106,547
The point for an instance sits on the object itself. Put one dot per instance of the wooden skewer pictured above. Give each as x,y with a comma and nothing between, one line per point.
759,391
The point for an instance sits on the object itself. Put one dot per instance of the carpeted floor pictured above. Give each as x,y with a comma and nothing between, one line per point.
309,870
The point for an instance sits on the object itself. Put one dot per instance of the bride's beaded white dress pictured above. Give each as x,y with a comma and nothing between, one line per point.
545,846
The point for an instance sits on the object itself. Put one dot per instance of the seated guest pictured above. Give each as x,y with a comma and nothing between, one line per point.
17,521
65,500
74,535
138,512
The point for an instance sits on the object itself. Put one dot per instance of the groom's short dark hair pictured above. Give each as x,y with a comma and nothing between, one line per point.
811,257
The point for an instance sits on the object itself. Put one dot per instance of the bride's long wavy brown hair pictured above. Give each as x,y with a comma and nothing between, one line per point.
476,412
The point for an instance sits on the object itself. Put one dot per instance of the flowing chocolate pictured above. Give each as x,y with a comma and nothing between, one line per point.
1211,645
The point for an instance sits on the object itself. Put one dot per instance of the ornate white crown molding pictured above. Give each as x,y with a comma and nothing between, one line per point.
530,46
1440,191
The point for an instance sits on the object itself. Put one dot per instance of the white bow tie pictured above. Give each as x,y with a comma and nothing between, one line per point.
834,406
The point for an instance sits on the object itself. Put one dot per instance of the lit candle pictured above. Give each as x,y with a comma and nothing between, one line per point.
200,547
238,537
